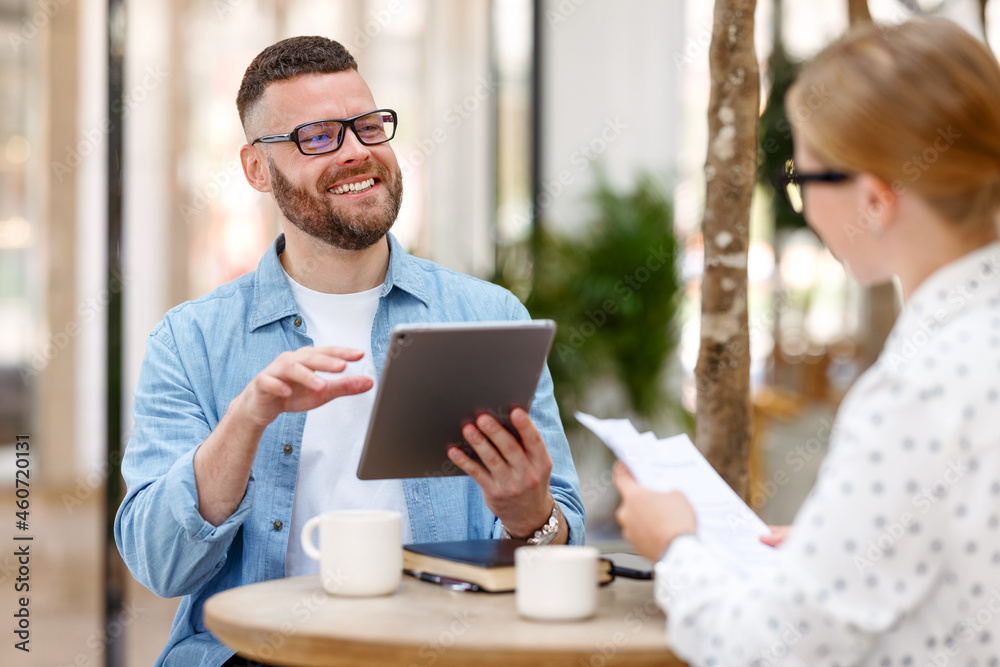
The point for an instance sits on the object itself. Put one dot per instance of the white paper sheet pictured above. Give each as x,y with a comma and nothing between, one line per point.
675,464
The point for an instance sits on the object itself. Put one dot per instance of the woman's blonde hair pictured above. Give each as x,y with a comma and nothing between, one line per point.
917,105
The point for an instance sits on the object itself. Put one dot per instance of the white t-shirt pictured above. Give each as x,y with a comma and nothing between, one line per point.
335,433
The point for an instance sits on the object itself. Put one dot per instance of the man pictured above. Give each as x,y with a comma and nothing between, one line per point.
252,403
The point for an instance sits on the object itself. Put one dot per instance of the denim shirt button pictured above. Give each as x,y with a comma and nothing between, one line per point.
278,525
297,321
287,449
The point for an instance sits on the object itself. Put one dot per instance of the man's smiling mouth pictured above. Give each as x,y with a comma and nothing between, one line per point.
351,188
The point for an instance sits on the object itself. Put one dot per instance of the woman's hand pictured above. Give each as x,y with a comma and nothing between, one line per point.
777,536
650,520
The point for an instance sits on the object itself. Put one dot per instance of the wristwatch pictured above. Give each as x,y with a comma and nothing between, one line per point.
546,533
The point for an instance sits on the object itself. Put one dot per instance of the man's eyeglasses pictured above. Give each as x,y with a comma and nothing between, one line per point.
326,136
790,182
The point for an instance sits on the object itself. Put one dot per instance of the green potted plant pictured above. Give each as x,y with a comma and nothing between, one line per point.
615,292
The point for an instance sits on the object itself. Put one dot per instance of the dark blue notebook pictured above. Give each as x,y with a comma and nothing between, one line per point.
483,553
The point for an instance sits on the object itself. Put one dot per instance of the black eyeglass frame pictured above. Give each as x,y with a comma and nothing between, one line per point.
789,176
345,123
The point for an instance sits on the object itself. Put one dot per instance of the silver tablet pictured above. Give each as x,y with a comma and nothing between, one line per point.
439,377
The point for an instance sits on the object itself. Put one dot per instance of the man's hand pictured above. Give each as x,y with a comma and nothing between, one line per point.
650,520
291,383
514,474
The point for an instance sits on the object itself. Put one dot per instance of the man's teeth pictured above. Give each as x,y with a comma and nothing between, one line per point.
360,186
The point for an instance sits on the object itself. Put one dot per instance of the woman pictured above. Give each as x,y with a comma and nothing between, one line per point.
894,558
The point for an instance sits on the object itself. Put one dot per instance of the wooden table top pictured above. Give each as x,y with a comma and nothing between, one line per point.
294,622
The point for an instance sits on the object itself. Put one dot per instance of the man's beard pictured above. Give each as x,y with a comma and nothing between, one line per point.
315,215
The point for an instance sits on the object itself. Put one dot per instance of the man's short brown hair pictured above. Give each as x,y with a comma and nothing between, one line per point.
286,59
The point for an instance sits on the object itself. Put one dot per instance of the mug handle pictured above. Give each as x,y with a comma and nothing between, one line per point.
307,538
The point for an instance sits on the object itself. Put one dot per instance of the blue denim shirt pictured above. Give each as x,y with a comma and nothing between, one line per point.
198,358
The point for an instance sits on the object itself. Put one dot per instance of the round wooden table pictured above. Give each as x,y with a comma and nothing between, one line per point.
294,622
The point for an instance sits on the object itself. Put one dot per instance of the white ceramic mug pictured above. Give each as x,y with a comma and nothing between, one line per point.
556,582
360,551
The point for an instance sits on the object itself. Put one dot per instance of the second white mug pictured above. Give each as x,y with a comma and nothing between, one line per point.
556,582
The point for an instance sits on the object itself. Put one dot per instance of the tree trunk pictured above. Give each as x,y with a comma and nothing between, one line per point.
857,12
982,19
723,369
878,315
878,302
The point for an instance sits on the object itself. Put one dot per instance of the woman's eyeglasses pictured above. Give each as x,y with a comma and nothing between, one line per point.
789,182
325,136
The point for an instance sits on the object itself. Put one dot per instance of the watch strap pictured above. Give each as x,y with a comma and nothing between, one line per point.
546,533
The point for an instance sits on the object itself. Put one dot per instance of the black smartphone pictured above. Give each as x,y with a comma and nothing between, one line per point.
632,566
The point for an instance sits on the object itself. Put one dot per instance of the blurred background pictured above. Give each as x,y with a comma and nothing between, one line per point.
554,146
